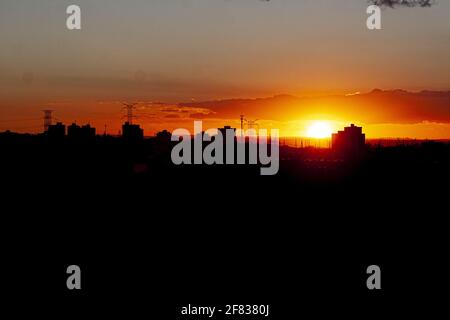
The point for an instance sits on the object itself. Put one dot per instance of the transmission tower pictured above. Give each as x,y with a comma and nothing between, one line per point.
48,119
251,124
129,107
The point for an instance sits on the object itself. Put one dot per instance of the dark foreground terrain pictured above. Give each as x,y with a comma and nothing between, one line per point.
152,237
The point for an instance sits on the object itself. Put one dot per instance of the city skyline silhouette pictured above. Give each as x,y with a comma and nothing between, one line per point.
127,158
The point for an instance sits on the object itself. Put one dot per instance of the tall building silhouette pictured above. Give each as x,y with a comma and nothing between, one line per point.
132,132
86,132
56,131
349,142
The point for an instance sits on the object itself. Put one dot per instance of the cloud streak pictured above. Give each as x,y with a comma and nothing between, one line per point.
378,106
403,3
397,3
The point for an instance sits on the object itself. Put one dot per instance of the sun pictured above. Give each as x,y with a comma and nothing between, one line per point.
319,130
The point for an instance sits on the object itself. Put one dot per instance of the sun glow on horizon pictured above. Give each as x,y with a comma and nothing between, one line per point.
319,130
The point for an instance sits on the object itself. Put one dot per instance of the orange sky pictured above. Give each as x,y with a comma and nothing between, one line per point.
199,50
154,117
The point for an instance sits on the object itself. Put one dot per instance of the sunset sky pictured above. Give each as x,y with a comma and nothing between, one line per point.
189,51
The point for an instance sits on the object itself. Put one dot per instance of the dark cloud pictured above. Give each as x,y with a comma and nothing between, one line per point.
398,3
403,3
378,106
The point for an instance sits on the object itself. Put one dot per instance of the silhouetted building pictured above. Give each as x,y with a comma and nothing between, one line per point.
73,131
164,135
87,132
77,133
56,131
132,132
349,142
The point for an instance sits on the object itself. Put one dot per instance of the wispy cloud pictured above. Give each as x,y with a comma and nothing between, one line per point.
403,3
397,3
